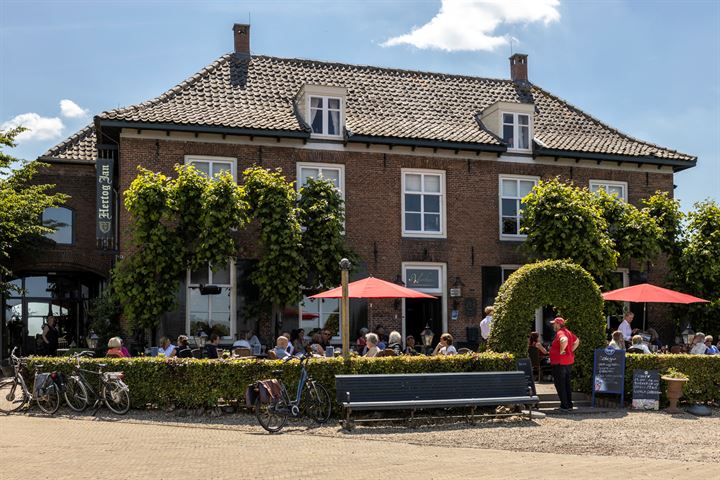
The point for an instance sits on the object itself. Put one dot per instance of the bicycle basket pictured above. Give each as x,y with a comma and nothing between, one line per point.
270,391
109,376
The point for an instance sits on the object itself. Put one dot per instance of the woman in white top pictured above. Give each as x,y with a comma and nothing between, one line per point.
446,346
166,347
698,347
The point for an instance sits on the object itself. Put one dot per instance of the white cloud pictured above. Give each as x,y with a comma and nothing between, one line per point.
472,24
70,109
38,128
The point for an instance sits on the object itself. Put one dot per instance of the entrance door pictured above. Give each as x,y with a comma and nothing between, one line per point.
421,312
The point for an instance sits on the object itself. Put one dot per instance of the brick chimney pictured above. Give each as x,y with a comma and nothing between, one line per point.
241,33
518,68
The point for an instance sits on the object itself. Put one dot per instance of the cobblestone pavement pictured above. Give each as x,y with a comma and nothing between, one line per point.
162,446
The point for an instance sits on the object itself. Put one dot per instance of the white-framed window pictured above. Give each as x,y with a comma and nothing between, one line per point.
212,166
319,313
613,188
512,190
333,172
423,203
326,116
508,270
516,130
61,220
211,313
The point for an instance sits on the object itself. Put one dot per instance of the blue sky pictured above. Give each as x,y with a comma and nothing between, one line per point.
648,68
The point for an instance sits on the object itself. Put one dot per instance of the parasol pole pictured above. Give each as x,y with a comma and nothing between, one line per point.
345,266
644,314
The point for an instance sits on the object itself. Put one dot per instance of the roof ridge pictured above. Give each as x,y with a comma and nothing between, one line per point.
77,137
385,69
605,125
173,91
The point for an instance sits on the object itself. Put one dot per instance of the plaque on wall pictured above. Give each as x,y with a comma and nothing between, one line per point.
470,307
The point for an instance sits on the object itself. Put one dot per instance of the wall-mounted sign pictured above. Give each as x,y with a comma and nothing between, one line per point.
427,278
456,292
104,216
455,314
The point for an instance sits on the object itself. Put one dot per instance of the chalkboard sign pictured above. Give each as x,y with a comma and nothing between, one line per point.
525,366
646,389
609,372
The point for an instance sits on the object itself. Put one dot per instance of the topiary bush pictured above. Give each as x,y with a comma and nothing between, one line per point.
564,285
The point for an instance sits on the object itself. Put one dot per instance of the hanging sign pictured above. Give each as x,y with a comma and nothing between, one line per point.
104,214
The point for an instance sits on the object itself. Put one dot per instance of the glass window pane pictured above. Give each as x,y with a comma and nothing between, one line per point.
432,222
432,203
309,307
221,276
334,103
525,187
509,188
37,287
306,173
60,219
199,306
199,276
523,119
594,187
509,207
316,120
432,183
615,189
35,326
219,167
412,222
220,316
316,102
332,175
508,131
508,118
203,167
412,203
330,315
524,140
412,183
333,122
509,226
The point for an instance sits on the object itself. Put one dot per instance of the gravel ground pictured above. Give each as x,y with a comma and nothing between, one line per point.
655,435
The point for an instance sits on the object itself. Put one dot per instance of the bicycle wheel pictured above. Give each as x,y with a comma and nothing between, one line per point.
76,395
49,401
269,416
117,396
317,402
12,396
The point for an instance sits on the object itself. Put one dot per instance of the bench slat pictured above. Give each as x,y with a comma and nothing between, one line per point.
440,403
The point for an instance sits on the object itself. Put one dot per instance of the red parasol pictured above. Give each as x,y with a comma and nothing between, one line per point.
372,287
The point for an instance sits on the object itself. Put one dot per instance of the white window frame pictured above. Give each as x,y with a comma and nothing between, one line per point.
507,236
321,166
320,302
325,109
603,184
233,298
443,203
439,292
210,160
507,268
516,131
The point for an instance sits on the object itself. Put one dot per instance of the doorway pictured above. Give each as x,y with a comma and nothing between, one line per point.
422,312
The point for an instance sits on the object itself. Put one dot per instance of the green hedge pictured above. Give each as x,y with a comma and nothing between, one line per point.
190,383
703,370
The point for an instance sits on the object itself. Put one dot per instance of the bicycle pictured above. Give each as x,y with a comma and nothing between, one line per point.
113,392
311,399
14,393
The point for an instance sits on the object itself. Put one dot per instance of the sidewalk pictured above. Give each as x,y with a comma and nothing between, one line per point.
59,448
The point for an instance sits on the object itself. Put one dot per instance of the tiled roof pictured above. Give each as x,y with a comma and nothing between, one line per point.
81,146
258,93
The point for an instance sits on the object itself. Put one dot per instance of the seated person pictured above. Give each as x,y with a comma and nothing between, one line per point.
115,348
637,344
698,344
290,349
371,340
654,338
446,346
316,344
211,348
394,342
166,347
711,349
618,340
382,338
242,341
297,338
183,350
410,346
281,347
534,341
360,342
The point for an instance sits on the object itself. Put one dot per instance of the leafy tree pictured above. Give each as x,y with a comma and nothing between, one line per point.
21,206
668,217
565,222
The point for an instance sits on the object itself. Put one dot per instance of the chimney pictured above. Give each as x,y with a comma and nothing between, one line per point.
241,33
518,68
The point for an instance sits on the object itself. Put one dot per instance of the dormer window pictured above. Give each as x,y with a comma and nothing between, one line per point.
516,131
325,116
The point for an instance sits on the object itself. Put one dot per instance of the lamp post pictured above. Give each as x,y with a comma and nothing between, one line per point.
687,334
345,266
427,337
201,340
92,341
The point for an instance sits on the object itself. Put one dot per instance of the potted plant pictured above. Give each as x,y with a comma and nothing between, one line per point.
675,380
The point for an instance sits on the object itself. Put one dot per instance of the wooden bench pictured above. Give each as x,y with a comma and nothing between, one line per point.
432,390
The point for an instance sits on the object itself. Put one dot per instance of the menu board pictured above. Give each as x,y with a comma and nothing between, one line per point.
609,371
646,389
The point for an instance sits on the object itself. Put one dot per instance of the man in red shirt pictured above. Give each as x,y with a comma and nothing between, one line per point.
562,357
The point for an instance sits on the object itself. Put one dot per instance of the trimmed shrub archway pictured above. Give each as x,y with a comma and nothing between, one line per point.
562,284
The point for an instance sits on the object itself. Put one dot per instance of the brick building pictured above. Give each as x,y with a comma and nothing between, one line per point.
432,168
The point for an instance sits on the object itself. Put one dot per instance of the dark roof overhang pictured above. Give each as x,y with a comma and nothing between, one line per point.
417,142
201,129
677,165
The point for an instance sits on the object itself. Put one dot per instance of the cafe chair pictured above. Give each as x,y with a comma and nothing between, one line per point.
676,349
463,351
196,353
271,355
634,350
388,352
534,355
242,352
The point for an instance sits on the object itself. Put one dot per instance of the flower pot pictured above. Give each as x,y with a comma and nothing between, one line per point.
674,392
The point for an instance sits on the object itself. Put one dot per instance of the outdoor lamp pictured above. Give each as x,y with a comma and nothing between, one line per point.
201,339
687,334
93,341
427,336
